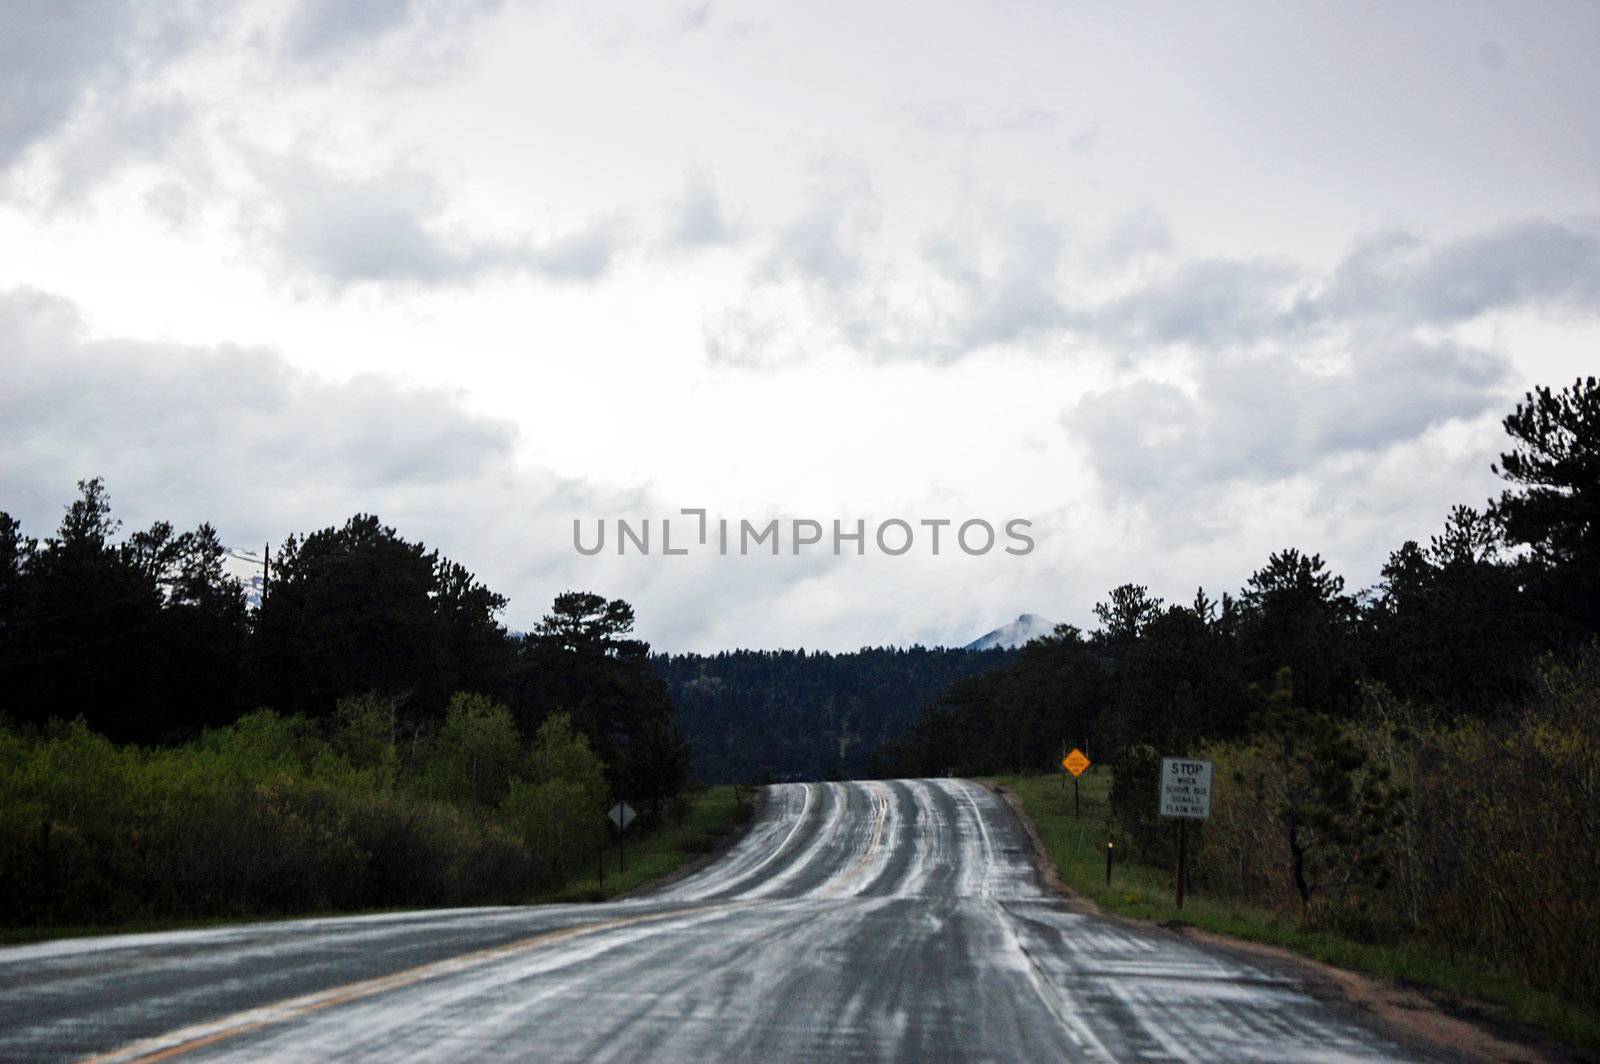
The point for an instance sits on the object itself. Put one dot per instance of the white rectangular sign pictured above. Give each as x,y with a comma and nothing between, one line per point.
1185,788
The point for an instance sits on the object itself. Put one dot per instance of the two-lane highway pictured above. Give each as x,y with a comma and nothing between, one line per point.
864,921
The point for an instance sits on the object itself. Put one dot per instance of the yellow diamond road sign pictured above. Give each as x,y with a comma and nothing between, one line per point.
1075,762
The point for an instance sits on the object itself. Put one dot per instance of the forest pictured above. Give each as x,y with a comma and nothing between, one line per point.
371,735
1418,758
756,715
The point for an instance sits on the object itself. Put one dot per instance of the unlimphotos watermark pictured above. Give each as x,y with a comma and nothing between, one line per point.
894,537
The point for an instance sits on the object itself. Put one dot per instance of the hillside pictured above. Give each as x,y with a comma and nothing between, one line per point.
788,714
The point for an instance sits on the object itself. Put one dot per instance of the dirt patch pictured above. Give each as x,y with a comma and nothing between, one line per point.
1460,1027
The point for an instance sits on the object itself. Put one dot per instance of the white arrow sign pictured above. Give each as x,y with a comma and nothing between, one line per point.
622,814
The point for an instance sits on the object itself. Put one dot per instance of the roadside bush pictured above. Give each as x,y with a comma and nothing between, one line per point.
1482,838
1510,859
272,815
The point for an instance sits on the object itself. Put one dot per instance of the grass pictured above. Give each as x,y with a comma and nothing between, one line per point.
714,814
1077,846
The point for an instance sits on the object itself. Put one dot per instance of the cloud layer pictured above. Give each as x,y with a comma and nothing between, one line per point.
484,267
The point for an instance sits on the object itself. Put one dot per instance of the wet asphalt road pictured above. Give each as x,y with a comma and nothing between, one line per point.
855,922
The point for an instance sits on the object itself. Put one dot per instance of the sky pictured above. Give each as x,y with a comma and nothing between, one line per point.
1178,284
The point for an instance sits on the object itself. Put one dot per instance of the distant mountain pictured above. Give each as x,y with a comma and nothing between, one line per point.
1025,628
248,573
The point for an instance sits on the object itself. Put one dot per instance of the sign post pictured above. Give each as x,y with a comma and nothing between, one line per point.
622,815
1075,763
1185,796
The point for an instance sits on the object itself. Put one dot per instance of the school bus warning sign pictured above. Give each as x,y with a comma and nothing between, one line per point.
1185,788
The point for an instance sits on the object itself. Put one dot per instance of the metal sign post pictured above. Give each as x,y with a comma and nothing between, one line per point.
1185,795
622,815
1075,763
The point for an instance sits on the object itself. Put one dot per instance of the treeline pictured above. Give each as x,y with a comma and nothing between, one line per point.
1420,757
147,642
148,639
753,715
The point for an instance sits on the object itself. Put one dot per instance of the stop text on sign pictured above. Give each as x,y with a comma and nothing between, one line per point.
1185,788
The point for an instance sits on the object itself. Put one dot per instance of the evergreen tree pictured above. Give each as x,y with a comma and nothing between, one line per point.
1553,507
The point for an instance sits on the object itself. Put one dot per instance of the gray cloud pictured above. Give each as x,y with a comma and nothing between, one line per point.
51,53
390,228
1207,302
826,246
1534,263
1394,280
158,415
1007,287
699,217
582,254
1008,281
103,60
320,26
319,35
996,281
129,130
1265,416
1134,236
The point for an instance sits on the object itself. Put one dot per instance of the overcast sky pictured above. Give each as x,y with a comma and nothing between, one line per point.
1181,284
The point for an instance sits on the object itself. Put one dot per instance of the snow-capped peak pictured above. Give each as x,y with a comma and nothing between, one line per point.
1027,627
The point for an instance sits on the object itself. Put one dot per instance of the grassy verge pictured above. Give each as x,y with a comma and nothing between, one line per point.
714,814
1077,846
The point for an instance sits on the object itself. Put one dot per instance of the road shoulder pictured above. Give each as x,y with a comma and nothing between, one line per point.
1448,1023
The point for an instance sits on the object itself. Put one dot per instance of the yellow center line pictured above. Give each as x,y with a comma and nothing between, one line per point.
202,1035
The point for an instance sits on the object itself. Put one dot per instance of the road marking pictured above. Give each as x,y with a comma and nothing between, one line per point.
814,849
880,803
202,1035
799,820
737,877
